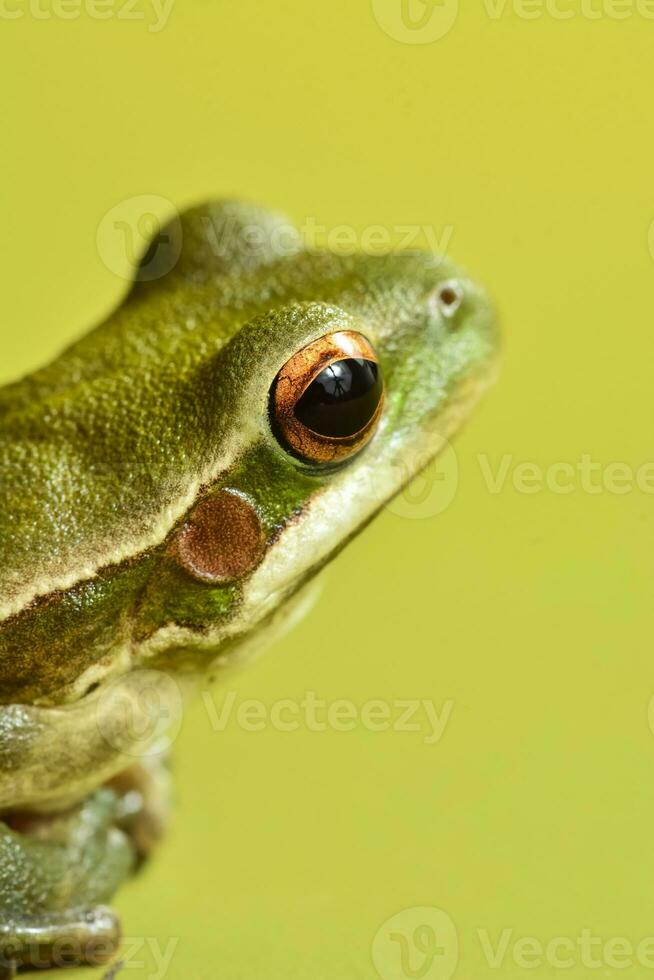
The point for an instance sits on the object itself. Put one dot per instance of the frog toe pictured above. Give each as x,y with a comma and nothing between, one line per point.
83,937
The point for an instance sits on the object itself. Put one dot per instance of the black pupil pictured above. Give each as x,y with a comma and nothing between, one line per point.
342,399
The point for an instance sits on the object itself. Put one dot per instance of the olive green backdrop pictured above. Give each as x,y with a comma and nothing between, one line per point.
515,599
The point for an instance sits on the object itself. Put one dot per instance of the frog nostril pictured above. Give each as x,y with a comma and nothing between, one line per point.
449,297
222,540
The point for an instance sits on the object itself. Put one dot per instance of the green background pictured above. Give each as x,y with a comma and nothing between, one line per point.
528,140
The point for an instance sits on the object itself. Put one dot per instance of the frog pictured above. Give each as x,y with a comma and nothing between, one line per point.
172,485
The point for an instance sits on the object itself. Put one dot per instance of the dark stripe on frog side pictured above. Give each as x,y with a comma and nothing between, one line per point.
45,648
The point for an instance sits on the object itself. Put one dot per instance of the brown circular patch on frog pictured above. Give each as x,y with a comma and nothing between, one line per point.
222,540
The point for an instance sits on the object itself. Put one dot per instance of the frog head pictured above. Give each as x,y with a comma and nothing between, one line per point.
174,479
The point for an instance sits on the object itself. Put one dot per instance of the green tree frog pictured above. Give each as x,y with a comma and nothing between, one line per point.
170,484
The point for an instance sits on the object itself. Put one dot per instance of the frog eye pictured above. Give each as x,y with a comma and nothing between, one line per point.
326,401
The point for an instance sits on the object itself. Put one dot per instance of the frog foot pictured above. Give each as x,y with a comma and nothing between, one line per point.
58,870
144,792
87,937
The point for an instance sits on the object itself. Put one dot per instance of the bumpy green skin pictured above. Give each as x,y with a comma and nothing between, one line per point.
82,859
104,452
53,881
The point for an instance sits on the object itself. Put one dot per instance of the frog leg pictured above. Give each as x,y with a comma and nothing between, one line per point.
57,871
88,937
